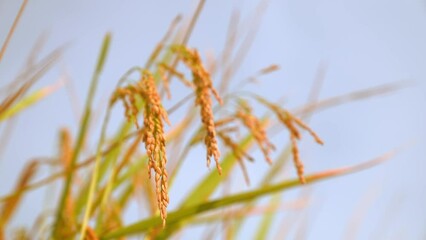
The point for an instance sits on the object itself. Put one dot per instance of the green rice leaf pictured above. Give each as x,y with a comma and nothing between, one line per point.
28,101
194,210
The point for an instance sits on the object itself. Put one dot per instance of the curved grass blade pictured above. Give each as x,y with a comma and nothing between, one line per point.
10,207
95,175
191,211
28,101
12,29
267,220
82,133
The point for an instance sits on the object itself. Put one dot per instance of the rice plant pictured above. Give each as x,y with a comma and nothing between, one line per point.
138,165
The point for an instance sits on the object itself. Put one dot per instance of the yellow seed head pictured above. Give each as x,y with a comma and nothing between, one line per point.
203,89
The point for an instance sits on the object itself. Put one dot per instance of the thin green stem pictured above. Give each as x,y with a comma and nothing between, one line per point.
98,158
95,175
81,135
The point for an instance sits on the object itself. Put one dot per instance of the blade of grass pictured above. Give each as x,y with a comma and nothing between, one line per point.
81,134
193,210
243,213
12,29
186,36
28,67
163,41
99,67
351,97
267,220
28,78
29,101
110,182
10,206
234,65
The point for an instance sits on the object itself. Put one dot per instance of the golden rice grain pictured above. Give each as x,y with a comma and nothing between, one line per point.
296,159
127,96
255,127
153,133
153,137
291,122
203,90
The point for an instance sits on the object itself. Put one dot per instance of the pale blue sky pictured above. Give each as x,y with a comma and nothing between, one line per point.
363,43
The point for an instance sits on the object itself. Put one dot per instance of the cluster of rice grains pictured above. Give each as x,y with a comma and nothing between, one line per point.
153,132
154,116
203,89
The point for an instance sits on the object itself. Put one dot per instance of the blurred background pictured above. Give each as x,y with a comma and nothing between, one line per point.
353,44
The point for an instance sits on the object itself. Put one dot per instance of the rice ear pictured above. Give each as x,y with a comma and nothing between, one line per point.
154,139
291,122
253,124
203,91
154,117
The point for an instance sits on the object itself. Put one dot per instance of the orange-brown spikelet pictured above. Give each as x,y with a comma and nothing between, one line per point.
291,122
259,133
153,137
203,90
296,159
127,96
153,132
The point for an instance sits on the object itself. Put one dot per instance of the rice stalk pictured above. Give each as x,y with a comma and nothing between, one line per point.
13,28
268,218
80,139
